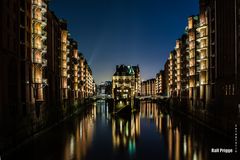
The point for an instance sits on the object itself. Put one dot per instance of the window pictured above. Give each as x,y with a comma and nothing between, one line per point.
229,89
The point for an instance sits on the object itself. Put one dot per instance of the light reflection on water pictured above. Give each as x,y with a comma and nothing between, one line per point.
126,134
152,132
78,142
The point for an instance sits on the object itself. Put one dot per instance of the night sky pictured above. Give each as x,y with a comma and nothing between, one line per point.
131,32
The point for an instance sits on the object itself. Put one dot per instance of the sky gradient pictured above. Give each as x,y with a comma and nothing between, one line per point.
131,32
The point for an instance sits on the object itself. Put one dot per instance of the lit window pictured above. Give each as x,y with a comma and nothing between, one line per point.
226,90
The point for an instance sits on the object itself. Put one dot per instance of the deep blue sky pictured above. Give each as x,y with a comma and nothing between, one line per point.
131,32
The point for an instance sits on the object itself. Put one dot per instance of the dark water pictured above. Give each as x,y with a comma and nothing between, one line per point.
151,133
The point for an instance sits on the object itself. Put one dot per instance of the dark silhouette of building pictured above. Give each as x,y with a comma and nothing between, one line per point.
224,54
53,69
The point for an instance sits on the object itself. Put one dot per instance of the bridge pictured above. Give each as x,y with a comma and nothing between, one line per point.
101,97
149,97
152,97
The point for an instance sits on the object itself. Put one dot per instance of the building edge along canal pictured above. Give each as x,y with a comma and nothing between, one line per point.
202,73
75,110
45,76
218,124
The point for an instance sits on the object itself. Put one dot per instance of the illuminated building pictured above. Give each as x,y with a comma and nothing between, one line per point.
125,82
206,63
39,52
88,81
137,80
172,74
181,67
160,83
82,76
178,66
203,51
149,87
64,63
194,61
73,72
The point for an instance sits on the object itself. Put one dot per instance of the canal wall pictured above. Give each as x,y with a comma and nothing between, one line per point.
29,130
211,117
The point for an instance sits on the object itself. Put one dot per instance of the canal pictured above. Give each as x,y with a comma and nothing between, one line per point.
153,132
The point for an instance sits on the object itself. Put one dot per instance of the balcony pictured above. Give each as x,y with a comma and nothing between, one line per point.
192,72
37,45
202,46
44,33
44,63
64,65
37,19
44,21
68,51
198,58
37,60
201,37
203,56
44,37
43,10
37,80
64,56
198,71
202,26
64,48
204,68
37,30
44,48
75,68
44,5
37,3
64,73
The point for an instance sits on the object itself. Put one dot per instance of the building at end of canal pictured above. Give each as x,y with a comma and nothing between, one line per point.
126,82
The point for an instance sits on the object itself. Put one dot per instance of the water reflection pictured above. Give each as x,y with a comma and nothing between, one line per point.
177,132
152,132
125,132
78,143
177,140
